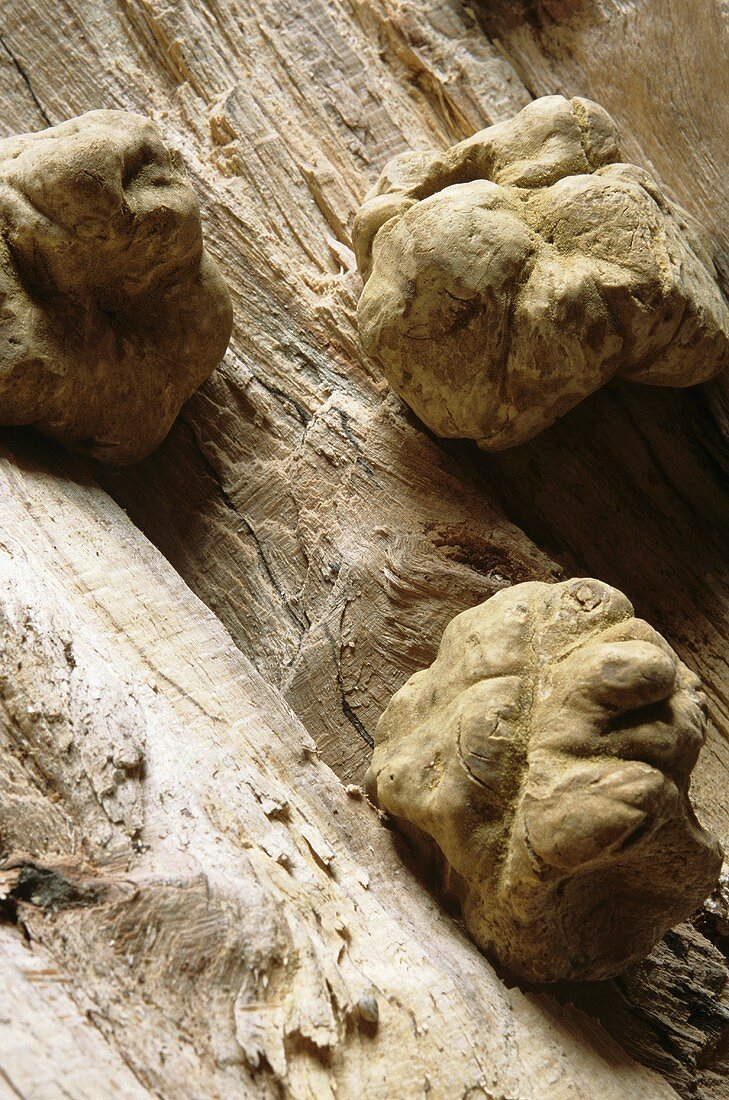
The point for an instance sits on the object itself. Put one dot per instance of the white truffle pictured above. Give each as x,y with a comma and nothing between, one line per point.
511,276
544,757
112,311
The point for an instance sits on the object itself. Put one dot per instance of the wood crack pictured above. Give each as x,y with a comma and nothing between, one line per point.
26,80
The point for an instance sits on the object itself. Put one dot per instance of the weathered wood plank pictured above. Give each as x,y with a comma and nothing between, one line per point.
225,912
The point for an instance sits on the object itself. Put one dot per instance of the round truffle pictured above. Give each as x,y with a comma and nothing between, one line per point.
514,274
545,757
112,311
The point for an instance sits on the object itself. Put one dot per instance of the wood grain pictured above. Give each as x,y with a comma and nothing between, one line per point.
224,913
331,536
296,496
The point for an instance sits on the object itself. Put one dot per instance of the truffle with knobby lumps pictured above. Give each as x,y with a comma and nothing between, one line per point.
511,276
543,761
112,311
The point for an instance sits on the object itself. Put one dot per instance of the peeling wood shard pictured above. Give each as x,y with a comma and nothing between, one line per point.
547,751
112,311
516,273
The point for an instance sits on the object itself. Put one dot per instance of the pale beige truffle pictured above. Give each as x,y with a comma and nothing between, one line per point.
547,753
511,276
111,311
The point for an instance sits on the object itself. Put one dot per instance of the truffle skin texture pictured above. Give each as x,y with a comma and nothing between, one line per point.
547,753
514,274
111,311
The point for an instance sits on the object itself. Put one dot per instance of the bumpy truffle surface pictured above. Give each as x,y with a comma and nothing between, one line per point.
111,311
511,276
547,753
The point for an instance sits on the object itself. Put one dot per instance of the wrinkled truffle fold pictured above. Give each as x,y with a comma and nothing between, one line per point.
514,274
547,752
111,311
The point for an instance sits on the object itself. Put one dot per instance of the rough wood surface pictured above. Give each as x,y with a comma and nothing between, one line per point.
331,536
309,510
231,920
671,1010
43,1029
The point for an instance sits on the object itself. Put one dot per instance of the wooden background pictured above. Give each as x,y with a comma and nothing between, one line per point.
332,538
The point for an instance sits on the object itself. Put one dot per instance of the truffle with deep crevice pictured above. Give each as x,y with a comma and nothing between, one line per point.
545,758
511,276
111,311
